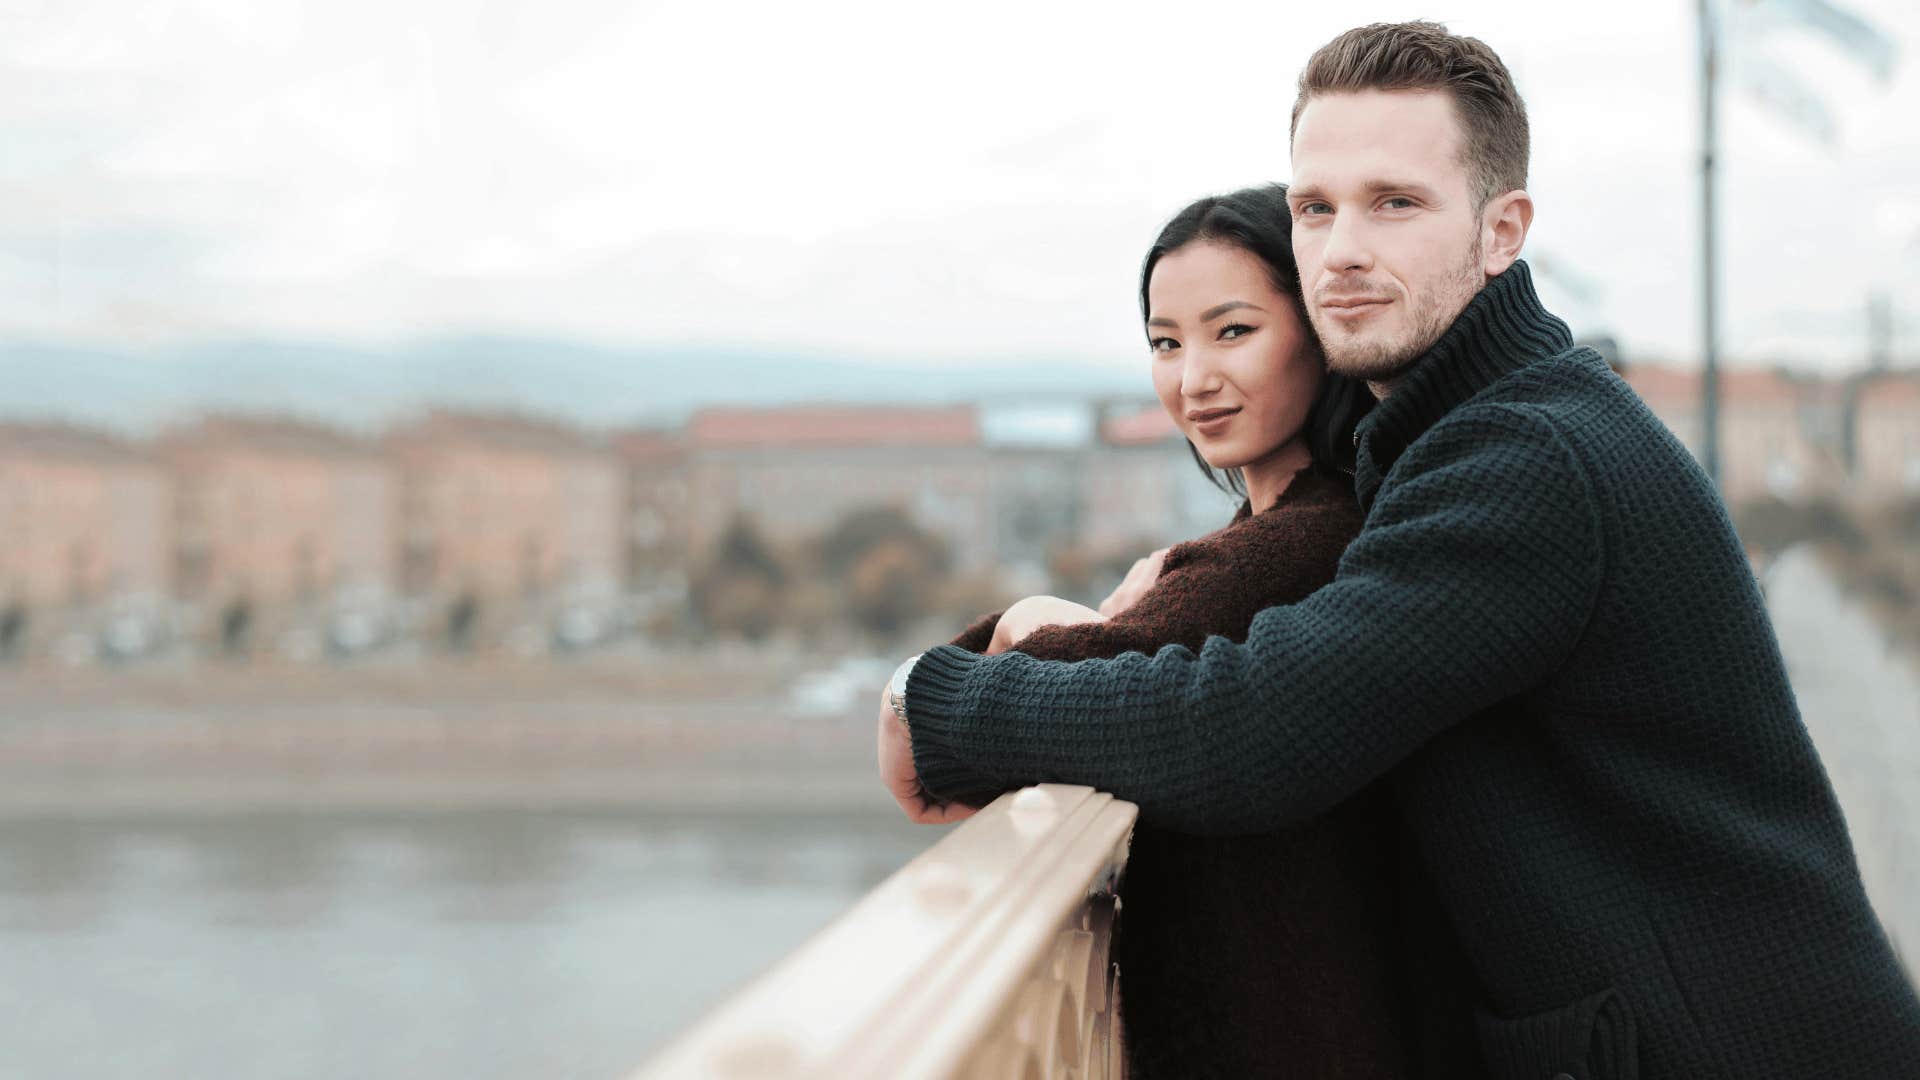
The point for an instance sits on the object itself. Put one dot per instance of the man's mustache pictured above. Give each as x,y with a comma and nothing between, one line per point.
1350,291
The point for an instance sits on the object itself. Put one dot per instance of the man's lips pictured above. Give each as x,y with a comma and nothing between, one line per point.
1344,309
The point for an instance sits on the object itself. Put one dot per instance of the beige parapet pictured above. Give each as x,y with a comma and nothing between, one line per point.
987,956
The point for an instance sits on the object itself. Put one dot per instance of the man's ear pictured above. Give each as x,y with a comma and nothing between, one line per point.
1503,230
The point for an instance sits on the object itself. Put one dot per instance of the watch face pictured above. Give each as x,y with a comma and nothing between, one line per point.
897,688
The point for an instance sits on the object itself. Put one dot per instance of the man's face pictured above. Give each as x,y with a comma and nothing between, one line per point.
1384,227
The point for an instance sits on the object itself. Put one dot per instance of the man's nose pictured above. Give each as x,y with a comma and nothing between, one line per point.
1346,247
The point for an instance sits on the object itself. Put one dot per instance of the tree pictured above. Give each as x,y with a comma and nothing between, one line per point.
741,588
889,570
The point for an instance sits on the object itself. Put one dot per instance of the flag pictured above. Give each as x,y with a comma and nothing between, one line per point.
1854,35
1787,97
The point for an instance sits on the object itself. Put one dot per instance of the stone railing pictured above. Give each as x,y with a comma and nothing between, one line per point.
985,957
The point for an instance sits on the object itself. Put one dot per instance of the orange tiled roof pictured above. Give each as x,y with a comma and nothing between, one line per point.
642,445
270,434
1891,388
511,431
63,442
836,425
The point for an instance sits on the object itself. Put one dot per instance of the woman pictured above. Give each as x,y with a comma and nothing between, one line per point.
1266,955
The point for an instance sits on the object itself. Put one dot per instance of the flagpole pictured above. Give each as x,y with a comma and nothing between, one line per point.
1709,297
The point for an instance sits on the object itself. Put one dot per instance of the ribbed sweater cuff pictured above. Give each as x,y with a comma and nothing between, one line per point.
939,704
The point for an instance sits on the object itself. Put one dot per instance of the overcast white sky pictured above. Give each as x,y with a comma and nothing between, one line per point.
926,182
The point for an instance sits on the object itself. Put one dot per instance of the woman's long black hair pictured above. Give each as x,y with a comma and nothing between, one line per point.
1256,221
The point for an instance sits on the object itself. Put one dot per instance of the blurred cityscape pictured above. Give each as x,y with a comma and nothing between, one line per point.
491,714
827,528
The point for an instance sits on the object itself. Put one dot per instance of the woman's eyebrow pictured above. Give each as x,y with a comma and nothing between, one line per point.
1218,310
1208,315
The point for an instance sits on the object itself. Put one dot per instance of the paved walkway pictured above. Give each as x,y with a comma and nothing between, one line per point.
1861,702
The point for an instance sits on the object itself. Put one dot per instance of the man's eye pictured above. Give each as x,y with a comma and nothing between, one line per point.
1399,203
1313,208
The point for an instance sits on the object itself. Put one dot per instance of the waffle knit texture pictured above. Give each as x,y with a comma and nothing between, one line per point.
1271,954
1547,637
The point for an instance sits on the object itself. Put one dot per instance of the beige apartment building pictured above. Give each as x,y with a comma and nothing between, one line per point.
503,516
796,471
1779,435
275,520
86,521
1134,493
1886,435
657,510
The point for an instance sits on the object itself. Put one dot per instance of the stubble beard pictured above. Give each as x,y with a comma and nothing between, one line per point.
1384,362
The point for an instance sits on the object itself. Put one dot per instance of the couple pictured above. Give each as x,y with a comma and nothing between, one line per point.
1466,749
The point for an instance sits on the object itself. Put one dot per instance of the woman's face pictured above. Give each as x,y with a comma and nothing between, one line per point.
1232,361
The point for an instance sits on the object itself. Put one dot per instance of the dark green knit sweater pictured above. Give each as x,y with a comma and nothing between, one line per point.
1547,636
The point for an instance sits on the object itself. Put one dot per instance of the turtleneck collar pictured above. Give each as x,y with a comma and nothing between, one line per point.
1503,329
1306,483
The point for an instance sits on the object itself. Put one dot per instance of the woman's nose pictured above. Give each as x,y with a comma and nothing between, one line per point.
1200,376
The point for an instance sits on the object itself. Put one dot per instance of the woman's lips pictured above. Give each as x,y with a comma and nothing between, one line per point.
1212,421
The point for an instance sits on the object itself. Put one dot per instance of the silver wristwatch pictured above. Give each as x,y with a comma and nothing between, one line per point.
897,689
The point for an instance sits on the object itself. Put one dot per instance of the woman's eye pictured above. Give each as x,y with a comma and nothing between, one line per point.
1162,344
1234,330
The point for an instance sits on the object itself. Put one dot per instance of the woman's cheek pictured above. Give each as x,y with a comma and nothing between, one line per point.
1166,385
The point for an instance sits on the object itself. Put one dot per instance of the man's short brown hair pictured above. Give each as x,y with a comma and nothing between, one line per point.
1424,56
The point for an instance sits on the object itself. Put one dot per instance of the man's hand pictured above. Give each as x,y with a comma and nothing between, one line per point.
903,781
1034,612
1145,572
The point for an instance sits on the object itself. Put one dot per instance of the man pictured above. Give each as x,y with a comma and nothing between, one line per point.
1546,637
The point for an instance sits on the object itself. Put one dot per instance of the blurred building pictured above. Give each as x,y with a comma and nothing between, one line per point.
459,528
1886,434
1143,488
86,521
504,520
796,471
1036,456
278,524
1779,435
657,509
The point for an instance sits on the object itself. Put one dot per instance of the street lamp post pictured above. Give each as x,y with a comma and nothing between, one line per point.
1709,255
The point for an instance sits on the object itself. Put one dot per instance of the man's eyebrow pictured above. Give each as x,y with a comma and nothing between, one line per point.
1218,310
1375,187
1301,193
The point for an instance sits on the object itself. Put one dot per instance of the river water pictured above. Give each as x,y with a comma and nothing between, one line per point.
435,945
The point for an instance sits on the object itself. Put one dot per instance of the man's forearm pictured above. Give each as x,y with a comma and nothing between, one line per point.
1455,597
1189,737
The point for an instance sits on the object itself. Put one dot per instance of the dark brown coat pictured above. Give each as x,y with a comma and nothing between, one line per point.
1263,955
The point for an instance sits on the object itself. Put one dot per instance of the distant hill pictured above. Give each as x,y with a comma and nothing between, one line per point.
362,387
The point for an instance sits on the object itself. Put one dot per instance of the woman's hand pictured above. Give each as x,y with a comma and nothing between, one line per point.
902,780
1145,572
1034,612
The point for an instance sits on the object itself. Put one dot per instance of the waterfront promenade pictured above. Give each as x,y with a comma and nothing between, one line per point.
666,732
